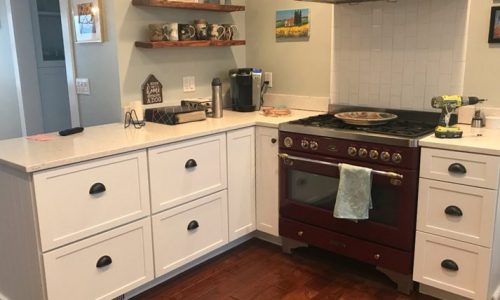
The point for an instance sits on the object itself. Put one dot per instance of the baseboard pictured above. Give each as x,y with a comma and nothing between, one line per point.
268,238
187,266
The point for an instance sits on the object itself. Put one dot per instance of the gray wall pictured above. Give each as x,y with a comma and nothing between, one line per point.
299,67
10,125
99,63
169,65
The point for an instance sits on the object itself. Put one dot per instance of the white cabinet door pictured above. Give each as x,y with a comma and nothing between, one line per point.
267,180
189,231
241,181
187,170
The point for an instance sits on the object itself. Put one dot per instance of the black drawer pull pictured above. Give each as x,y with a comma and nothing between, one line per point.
97,188
193,225
273,140
454,211
190,164
103,261
457,168
448,264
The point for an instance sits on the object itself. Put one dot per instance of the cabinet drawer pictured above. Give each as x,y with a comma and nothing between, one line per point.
72,272
187,232
460,167
460,212
434,253
187,170
79,200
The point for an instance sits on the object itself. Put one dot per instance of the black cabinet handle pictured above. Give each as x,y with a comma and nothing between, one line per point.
454,211
448,264
457,168
190,164
193,225
103,261
97,188
273,140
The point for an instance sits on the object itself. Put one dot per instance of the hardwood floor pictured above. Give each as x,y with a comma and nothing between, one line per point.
259,270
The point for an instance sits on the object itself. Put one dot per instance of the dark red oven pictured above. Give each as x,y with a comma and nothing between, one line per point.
308,187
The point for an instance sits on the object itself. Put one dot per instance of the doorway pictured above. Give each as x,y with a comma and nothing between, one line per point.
51,67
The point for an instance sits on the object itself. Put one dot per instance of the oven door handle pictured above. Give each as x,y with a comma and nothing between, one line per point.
287,157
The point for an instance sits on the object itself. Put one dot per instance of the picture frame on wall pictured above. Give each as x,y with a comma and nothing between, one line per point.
494,35
293,23
87,21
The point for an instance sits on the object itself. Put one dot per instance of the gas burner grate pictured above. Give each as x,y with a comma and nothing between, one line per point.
398,127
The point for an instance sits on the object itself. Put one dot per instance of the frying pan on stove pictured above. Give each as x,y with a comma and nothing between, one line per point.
365,118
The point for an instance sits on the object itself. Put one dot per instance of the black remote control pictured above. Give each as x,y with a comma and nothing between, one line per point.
69,131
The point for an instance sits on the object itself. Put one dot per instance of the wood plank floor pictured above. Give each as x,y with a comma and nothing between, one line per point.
259,270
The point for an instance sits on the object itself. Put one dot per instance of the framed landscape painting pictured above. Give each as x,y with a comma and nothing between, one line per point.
293,23
87,21
494,36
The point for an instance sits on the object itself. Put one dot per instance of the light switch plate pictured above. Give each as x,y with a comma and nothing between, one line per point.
82,86
188,84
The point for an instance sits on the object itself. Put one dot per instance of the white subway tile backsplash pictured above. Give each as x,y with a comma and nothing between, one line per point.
398,55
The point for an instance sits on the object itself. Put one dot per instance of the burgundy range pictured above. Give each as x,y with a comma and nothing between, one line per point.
310,150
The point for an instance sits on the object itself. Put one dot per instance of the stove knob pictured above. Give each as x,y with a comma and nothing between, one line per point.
288,142
373,154
304,144
385,156
313,145
352,151
397,158
362,152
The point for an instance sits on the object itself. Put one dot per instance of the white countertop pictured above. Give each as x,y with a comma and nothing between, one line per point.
488,143
109,139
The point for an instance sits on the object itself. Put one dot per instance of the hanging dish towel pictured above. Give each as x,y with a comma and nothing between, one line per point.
354,194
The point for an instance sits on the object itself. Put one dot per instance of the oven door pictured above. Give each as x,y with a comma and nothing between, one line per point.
308,190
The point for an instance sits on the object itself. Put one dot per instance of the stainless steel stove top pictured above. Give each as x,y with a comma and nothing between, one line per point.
405,131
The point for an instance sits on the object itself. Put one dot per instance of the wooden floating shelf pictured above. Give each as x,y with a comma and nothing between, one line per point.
168,44
187,5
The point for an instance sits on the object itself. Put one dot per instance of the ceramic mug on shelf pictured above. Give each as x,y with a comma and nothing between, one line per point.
230,31
171,31
187,32
201,27
156,32
216,31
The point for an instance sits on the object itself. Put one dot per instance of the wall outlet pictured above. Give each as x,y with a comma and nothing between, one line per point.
82,86
188,84
268,76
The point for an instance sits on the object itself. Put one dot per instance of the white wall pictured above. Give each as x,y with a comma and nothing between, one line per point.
299,67
169,65
398,55
10,125
483,59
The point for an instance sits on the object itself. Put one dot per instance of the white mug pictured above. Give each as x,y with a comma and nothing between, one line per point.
171,31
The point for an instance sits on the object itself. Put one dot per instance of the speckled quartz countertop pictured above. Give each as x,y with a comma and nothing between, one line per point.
487,143
109,139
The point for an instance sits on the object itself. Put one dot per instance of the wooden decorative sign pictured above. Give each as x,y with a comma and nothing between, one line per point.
152,91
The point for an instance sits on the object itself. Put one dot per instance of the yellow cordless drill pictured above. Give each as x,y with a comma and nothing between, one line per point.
448,104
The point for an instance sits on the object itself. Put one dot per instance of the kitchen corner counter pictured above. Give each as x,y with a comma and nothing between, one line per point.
488,143
110,139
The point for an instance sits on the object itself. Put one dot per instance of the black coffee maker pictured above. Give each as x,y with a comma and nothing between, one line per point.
246,89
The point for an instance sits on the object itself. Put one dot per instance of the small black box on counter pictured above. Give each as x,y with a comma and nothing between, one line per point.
172,115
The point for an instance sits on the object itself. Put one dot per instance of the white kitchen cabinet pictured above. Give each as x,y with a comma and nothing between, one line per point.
241,181
458,215
187,170
82,199
267,200
103,266
59,223
186,232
